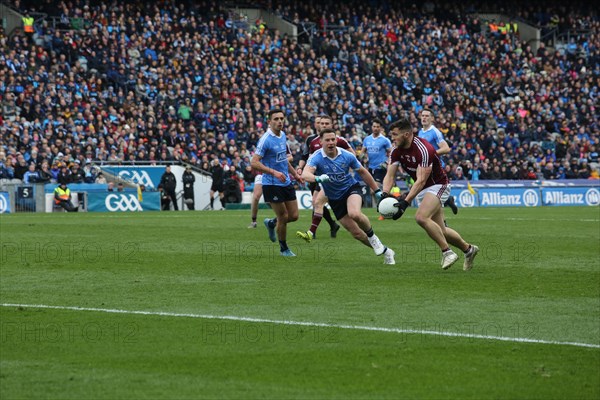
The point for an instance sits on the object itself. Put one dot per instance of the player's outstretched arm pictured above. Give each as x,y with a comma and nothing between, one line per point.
368,179
308,174
390,176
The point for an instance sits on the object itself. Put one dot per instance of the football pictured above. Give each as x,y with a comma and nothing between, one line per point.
387,207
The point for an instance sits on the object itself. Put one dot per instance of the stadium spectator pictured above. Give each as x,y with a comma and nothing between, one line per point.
32,175
82,88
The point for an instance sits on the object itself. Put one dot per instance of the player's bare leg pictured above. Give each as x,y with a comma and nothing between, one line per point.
256,195
454,238
429,208
285,212
360,228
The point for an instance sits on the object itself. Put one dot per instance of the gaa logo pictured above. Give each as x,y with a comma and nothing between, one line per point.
530,198
592,197
139,177
306,201
466,199
123,202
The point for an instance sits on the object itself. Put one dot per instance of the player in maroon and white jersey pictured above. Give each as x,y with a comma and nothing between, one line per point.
418,158
315,144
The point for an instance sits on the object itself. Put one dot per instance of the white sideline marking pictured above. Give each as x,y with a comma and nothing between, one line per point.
303,323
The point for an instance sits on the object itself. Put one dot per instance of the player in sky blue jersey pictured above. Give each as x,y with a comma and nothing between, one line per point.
434,136
271,158
330,167
377,150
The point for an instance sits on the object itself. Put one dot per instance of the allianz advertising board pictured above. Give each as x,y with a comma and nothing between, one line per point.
577,196
508,197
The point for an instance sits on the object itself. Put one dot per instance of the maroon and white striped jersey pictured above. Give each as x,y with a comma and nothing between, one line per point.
315,144
420,153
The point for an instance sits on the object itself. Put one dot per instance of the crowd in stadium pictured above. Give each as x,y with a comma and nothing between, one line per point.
168,82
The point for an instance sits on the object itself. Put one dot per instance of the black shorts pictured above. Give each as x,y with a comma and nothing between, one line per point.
314,187
378,174
340,206
216,187
279,194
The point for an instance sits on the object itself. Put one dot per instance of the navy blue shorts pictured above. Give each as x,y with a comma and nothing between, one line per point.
378,174
314,187
279,194
340,206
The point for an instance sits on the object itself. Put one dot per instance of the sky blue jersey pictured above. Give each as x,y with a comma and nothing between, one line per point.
274,150
337,169
376,149
434,136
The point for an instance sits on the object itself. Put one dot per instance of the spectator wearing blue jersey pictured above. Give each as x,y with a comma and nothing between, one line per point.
434,136
330,167
271,158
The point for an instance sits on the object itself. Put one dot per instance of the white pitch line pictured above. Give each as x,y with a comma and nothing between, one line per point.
307,323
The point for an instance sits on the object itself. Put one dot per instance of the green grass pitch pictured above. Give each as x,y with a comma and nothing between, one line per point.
195,305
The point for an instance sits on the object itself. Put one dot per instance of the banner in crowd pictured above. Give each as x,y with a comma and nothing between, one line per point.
148,176
123,201
4,203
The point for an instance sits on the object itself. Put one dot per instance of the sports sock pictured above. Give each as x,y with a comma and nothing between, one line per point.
273,222
254,218
467,250
316,220
283,245
212,202
327,216
445,250
370,232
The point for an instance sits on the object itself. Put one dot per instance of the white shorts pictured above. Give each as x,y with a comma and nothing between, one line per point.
442,192
258,180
